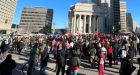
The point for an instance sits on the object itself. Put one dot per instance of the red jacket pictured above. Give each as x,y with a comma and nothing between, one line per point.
109,50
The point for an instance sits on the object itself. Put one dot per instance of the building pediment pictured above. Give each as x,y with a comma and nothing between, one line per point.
87,7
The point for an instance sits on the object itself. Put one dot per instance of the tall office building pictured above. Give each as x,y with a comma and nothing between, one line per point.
134,26
116,17
129,22
107,7
36,19
123,27
7,9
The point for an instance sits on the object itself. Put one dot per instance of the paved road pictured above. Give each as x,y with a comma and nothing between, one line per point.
85,68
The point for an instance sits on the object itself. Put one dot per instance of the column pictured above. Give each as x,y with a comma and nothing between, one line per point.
94,21
79,27
84,28
90,23
97,24
101,23
77,23
74,25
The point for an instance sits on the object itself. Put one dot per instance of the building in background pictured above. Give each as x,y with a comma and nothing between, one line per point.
137,30
134,26
107,7
129,22
123,27
86,18
14,28
116,17
36,20
53,28
7,9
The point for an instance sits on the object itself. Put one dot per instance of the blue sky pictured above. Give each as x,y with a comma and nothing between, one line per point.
61,9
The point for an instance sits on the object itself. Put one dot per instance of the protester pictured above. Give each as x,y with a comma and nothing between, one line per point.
90,46
92,53
44,60
101,64
109,55
20,46
74,64
4,47
138,60
126,66
61,59
7,66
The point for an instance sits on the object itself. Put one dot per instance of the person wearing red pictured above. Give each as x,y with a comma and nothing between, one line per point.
103,42
109,54
101,64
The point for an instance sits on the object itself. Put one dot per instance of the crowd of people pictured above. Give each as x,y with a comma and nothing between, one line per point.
70,50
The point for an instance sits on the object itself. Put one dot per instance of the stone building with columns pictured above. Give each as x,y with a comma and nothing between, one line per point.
86,18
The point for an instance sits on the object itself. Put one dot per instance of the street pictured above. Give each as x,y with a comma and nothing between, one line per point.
50,70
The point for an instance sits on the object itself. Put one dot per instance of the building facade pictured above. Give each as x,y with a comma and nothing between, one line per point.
107,7
7,9
116,16
123,27
86,18
129,22
36,20
134,26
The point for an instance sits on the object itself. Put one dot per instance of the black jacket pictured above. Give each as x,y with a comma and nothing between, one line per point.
7,66
61,57
126,67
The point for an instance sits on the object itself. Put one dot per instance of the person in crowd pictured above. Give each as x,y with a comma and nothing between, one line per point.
138,60
4,47
53,45
20,46
74,64
92,53
104,51
109,55
7,66
101,64
134,41
127,67
138,45
86,49
61,59
44,60
32,59
115,52
123,50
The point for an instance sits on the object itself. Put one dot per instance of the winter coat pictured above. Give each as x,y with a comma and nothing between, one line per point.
126,67
44,59
7,66
74,63
101,64
4,47
61,57
92,52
